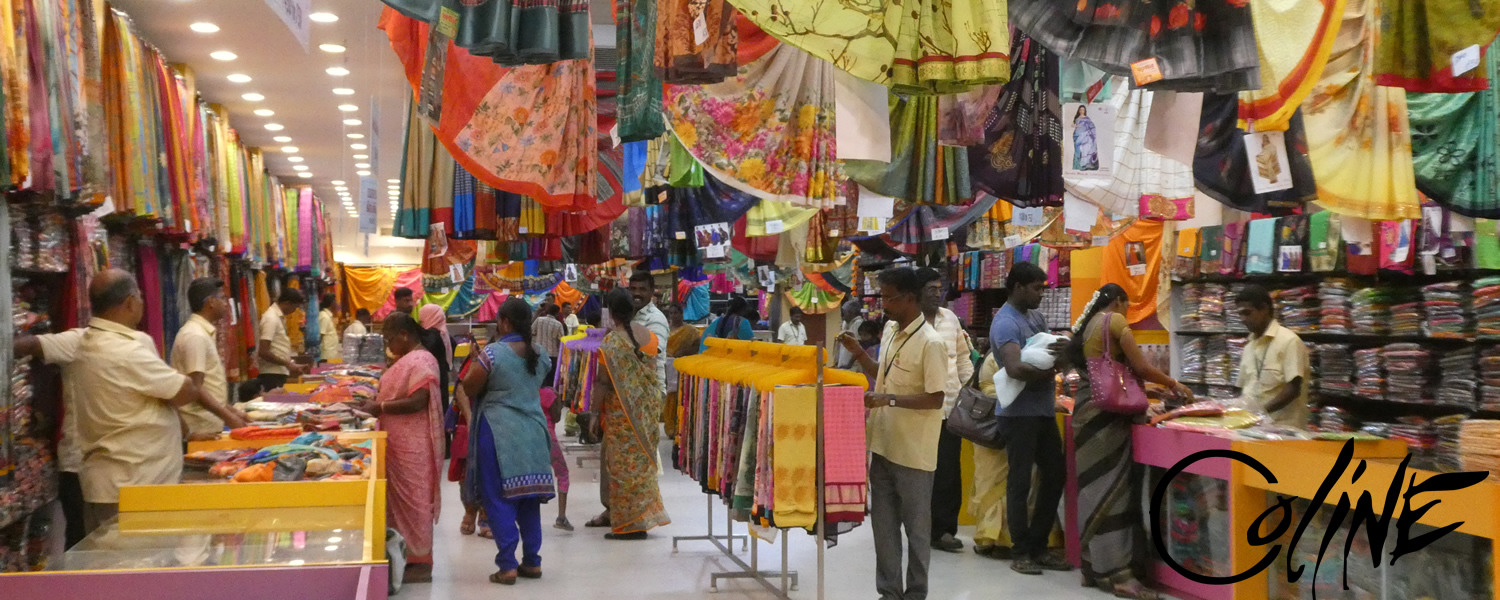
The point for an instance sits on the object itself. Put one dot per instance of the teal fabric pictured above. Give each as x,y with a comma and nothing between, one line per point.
1455,140
1260,247
509,33
512,406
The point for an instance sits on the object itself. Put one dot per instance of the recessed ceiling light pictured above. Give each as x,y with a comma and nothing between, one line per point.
264,112
223,55
348,107
323,17
353,122
341,188
336,71
394,186
304,175
331,48
238,78
337,182
274,127
356,136
281,139
361,165
252,97
299,167
290,149
295,159
393,181
361,156
362,173
358,146
343,91
204,27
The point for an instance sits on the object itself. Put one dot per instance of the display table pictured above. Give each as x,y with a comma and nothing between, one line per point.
308,539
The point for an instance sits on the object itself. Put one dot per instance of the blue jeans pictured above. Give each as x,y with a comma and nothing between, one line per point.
511,521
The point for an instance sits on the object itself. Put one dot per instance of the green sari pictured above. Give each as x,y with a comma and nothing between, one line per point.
1455,146
632,401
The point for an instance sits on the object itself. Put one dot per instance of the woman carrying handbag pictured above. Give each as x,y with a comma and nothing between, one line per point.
1109,401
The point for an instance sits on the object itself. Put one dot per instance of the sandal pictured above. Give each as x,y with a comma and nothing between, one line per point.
529,572
563,524
417,573
484,532
466,527
599,521
1129,587
504,577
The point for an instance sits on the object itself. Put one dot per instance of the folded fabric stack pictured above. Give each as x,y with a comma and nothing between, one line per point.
1216,363
1406,373
1193,351
1489,378
1235,348
1420,435
310,456
1446,307
1459,382
1332,419
1296,308
1369,309
1446,452
1406,314
1203,307
1369,377
351,385
368,349
1232,321
1192,301
1486,303
1479,446
1335,368
1333,306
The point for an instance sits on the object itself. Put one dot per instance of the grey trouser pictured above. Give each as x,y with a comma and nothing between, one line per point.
900,497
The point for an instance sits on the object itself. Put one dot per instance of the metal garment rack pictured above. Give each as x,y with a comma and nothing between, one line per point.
779,583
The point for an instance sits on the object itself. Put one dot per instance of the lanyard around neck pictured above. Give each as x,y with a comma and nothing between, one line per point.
894,355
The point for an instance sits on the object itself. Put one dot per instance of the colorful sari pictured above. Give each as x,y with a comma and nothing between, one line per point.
414,452
1419,40
631,402
1455,146
1108,500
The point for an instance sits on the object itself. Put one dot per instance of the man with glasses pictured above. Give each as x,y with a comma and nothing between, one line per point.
947,483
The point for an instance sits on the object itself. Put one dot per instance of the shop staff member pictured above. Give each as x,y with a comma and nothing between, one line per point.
793,332
1274,368
947,483
127,400
569,319
275,351
195,353
406,301
906,416
328,330
361,324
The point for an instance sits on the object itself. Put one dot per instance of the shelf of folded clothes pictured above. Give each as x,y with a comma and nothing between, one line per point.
327,455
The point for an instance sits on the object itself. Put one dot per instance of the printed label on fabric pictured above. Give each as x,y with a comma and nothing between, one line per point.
1270,169
833,233
456,273
681,235
1465,60
1011,241
872,224
1027,217
1136,270
522,230
700,30
939,233
1100,240
773,227
1146,71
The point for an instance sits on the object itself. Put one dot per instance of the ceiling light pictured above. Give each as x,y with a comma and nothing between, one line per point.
361,165
299,167
204,27
274,127
290,149
331,48
238,78
356,136
304,175
343,91
223,55
295,159
394,193
358,146
336,71
281,139
362,173
393,181
264,112
361,156
337,182
252,97
394,186
348,107
323,17
352,122
341,188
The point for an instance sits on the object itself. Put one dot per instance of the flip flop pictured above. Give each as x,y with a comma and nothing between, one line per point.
599,521
563,524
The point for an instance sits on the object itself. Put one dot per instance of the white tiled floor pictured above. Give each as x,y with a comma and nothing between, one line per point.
582,564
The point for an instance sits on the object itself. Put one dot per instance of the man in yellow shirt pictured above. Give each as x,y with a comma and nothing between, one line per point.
905,419
127,400
1274,368
328,331
195,353
275,348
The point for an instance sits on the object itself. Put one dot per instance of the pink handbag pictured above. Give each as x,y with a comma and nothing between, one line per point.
1114,387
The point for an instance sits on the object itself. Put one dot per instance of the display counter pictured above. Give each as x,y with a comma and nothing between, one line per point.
308,539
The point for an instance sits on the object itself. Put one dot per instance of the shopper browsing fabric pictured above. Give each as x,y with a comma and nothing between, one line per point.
548,333
511,459
852,319
731,326
407,405
1033,443
1108,479
627,395
1274,368
792,332
439,345
406,301
684,341
274,352
328,331
195,353
947,484
903,428
361,324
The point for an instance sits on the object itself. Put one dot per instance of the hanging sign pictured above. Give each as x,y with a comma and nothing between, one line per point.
939,233
430,93
374,151
367,205
713,239
1270,170
294,14
1088,140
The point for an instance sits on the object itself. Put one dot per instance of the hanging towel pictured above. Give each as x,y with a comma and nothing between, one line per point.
1260,247
794,451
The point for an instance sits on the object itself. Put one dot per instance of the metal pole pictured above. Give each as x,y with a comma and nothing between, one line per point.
821,506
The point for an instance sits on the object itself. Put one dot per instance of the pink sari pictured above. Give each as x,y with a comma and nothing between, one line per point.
414,452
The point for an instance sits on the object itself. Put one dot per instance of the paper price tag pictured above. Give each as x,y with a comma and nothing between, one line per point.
681,235
833,233
1136,270
715,251
1011,241
939,233
774,226
1027,217
1101,240
1465,60
700,30
814,299
1146,71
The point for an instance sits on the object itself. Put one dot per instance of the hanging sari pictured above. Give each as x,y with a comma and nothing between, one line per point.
696,41
1419,41
920,169
414,451
1107,490
1455,146
521,32
1020,158
632,402
1294,40
1221,169
638,105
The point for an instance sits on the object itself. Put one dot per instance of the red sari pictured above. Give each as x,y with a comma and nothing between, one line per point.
414,452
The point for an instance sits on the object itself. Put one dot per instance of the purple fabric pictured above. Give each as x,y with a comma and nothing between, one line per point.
305,222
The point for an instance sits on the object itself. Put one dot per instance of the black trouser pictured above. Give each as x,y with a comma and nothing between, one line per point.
70,494
947,485
271,381
1034,442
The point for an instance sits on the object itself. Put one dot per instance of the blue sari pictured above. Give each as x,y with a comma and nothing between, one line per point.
1085,146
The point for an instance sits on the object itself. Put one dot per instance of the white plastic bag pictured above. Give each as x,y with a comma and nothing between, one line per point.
1035,354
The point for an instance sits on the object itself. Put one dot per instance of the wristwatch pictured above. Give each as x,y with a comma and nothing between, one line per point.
893,401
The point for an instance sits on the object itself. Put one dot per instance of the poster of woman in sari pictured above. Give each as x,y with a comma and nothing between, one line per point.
1091,128
1085,141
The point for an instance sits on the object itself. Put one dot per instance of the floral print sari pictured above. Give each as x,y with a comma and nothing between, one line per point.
632,401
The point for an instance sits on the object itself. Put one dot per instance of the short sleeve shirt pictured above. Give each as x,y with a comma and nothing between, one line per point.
1270,362
273,331
328,335
792,334
61,349
1010,326
653,320
128,431
196,350
914,361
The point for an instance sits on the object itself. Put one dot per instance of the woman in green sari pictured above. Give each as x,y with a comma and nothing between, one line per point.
631,402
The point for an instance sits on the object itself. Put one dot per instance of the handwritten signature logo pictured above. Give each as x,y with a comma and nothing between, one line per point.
1376,525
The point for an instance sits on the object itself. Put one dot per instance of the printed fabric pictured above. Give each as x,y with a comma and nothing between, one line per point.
414,450
1420,39
1020,157
696,41
920,169
512,407
528,32
631,401
1221,168
638,105
1454,145
1294,40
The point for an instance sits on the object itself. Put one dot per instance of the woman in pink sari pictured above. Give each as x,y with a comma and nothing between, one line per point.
407,405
